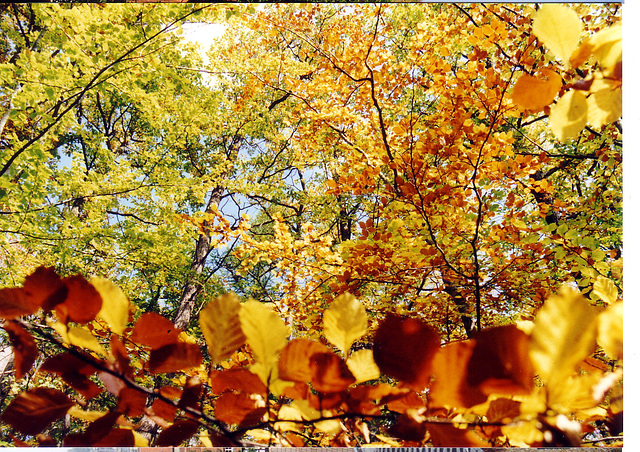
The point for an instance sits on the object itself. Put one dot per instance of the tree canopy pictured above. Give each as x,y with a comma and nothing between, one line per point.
338,225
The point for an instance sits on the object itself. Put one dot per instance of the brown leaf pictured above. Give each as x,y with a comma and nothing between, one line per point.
43,288
74,372
408,429
329,373
83,301
164,410
131,402
403,348
191,393
154,331
408,401
121,356
503,410
178,433
238,379
25,350
174,358
239,409
294,359
117,437
96,430
33,410
446,435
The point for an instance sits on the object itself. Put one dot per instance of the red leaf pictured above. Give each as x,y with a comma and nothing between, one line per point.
409,429
294,359
33,410
117,437
178,433
154,331
25,350
239,409
403,348
83,301
329,373
74,372
239,379
174,358
43,288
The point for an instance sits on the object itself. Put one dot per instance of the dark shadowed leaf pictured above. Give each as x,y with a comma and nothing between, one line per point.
43,288
403,348
121,356
191,393
131,402
117,437
329,373
164,410
174,358
239,379
33,410
96,430
25,350
295,357
446,435
154,331
409,429
74,372
178,433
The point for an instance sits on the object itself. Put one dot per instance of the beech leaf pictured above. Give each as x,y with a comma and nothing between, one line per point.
363,366
25,350
345,322
610,330
569,115
115,305
559,28
33,410
329,373
535,93
221,327
294,359
174,358
154,331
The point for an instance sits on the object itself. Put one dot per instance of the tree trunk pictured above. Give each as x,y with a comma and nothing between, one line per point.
193,286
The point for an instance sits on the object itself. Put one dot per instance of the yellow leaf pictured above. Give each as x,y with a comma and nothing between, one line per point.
115,305
605,107
607,48
610,330
266,333
564,334
139,440
89,416
82,337
362,366
345,321
535,93
559,28
220,325
574,393
569,116
605,289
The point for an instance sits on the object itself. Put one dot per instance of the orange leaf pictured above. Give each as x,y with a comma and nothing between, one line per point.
33,410
191,393
535,93
496,361
154,331
164,410
178,433
96,430
25,350
404,348
83,301
239,409
446,435
174,358
43,288
131,402
241,380
294,359
329,373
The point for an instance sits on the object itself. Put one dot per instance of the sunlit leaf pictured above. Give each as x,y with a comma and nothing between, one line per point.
154,331
535,93
345,322
33,410
115,305
607,49
174,358
239,379
559,28
605,289
604,107
363,366
569,116
610,330
266,333
221,328
239,409
564,334
294,359
82,337
82,304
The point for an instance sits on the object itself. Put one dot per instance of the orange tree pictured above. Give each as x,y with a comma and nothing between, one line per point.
435,172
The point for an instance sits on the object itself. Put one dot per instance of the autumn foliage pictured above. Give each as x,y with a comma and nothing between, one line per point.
531,384
339,225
